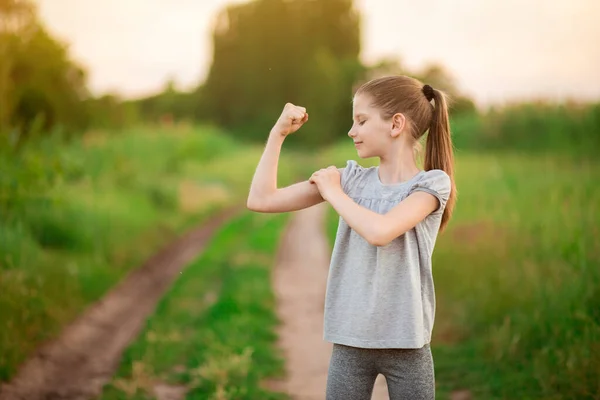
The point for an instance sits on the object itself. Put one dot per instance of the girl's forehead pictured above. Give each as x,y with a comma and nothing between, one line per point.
362,104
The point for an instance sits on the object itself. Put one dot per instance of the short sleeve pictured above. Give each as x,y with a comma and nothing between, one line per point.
437,183
348,174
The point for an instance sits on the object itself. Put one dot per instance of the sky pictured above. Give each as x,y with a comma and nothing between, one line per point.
497,51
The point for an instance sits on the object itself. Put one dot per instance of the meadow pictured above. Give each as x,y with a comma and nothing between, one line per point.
516,271
77,217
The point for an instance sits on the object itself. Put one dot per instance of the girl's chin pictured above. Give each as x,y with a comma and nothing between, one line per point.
361,153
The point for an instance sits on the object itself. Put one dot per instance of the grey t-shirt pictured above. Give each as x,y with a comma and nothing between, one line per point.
383,296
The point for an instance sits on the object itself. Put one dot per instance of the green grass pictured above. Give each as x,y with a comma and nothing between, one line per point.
76,217
516,272
537,127
517,279
214,330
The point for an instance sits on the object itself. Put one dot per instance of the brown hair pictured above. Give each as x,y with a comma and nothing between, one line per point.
407,95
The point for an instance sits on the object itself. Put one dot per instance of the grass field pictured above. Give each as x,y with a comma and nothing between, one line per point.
214,331
516,283
516,272
116,199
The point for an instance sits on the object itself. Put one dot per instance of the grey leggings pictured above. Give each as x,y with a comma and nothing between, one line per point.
408,373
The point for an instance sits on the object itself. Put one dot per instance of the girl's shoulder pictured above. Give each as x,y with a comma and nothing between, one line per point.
436,179
351,167
350,173
436,182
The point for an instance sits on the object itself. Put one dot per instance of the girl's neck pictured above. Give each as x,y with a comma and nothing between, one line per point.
399,168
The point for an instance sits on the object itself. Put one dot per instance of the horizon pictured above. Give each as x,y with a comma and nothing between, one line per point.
491,65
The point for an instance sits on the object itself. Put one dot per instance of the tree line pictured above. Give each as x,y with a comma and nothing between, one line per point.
265,53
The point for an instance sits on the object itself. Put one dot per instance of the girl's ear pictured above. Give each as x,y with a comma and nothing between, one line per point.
398,124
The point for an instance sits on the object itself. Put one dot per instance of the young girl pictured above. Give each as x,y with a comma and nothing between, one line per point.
380,301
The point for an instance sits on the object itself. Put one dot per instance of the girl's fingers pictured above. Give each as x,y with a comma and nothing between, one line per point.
297,118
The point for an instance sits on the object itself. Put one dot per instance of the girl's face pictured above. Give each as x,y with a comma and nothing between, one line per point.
370,133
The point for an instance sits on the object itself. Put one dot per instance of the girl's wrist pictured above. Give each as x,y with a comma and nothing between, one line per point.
278,131
276,137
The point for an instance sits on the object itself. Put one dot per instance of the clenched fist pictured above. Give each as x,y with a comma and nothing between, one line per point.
291,119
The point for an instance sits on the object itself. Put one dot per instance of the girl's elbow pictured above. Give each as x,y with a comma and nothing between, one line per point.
259,205
381,239
378,243
376,239
253,204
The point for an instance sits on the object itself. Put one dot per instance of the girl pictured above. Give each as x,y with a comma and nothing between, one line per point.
380,301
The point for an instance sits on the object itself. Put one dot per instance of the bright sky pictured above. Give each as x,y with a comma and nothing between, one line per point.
497,50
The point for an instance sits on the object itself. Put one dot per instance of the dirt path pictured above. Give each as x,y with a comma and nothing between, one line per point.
299,282
84,357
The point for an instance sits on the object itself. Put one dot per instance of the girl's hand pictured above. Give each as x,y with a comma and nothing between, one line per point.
328,180
291,119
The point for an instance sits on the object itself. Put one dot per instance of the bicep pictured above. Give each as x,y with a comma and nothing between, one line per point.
291,198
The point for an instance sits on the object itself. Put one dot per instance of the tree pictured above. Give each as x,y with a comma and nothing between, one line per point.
269,52
39,85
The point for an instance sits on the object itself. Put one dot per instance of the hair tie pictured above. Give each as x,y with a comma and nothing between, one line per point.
428,92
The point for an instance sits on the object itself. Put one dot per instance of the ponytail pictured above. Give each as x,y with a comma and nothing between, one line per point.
439,152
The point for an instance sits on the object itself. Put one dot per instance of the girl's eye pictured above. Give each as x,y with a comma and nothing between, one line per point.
362,122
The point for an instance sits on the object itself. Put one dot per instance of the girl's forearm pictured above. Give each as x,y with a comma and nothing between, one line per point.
365,222
264,182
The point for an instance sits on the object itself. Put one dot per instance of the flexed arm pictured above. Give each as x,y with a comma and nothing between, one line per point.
264,195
